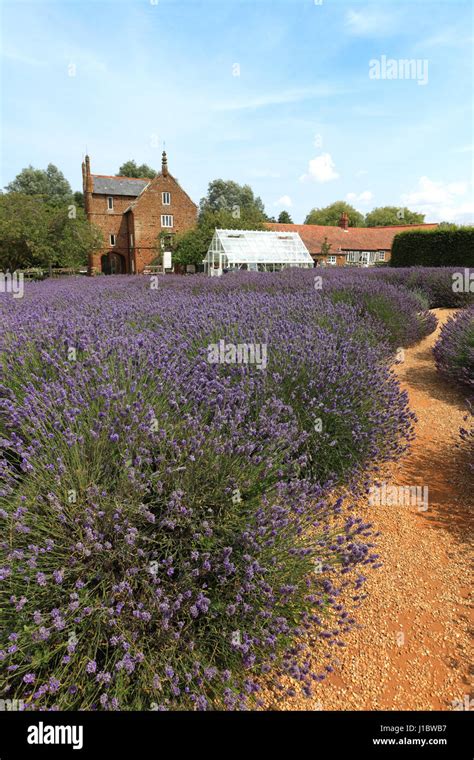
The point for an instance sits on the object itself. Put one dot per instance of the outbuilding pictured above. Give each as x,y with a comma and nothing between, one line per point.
256,251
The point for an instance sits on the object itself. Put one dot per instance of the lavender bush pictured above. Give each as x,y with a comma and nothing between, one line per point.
172,536
454,350
437,284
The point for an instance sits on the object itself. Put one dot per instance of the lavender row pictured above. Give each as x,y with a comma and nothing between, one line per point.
171,537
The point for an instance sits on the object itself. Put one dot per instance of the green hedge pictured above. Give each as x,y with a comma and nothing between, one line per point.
434,248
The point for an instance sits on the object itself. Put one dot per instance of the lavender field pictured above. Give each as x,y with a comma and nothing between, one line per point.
179,465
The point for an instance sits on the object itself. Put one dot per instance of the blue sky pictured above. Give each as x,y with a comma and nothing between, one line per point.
276,94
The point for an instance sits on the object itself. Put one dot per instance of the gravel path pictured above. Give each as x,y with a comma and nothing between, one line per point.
410,651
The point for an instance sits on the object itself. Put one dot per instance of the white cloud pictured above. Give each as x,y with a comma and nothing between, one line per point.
295,95
321,169
451,37
361,173
442,201
370,22
363,197
285,200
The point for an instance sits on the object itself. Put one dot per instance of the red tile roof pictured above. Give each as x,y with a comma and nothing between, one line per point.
352,239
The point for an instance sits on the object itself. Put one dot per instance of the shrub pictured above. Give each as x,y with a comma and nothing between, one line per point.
164,516
454,351
434,248
437,284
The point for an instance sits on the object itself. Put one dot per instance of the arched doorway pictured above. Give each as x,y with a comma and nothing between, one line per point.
113,263
117,263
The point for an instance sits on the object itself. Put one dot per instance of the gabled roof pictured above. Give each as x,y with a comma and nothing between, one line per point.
354,238
149,182
105,185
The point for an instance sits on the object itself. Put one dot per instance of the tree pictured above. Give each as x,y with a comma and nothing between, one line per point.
36,233
226,195
325,247
285,218
23,230
50,184
79,199
330,215
392,215
70,237
131,169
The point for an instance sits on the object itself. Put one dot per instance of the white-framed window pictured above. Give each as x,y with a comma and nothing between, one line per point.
331,259
166,220
166,199
380,256
112,239
110,203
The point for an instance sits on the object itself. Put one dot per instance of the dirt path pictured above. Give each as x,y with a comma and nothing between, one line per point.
411,650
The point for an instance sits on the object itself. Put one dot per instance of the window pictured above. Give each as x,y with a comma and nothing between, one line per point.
380,256
166,198
110,203
112,240
331,259
166,220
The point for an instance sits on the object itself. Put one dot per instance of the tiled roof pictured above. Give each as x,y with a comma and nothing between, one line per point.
104,185
352,239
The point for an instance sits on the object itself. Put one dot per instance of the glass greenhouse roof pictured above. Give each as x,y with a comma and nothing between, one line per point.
237,249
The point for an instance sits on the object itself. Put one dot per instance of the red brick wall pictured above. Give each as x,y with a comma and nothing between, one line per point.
143,221
147,217
110,223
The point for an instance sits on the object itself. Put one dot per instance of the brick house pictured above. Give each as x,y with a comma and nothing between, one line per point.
349,246
132,214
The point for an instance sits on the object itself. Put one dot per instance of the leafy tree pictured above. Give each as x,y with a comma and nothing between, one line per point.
79,199
330,215
36,233
70,237
23,230
325,246
50,184
392,215
285,218
229,196
131,169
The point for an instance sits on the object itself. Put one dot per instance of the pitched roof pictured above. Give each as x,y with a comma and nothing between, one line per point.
105,185
160,174
354,238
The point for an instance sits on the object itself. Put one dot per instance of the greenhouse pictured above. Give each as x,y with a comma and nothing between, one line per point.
257,251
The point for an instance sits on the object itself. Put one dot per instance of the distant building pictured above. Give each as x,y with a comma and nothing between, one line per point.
132,213
348,246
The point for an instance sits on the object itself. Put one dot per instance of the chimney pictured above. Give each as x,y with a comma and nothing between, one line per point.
164,164
87,183
344,221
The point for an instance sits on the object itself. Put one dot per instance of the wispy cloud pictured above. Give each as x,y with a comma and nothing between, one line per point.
364,197
442,201
279,98
372,21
